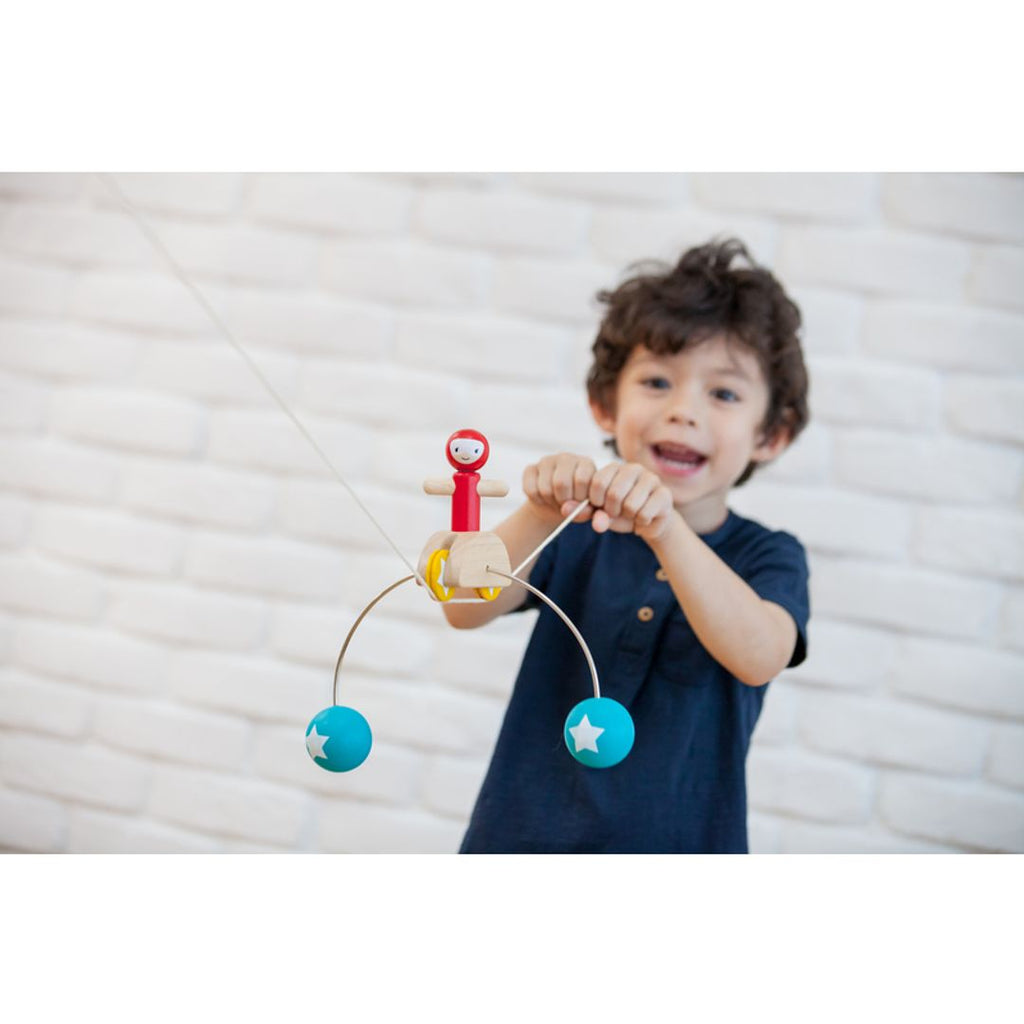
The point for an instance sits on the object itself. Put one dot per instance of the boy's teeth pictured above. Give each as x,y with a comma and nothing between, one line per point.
680,455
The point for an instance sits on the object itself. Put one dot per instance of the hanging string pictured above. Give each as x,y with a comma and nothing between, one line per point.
154,240
158,245
550,537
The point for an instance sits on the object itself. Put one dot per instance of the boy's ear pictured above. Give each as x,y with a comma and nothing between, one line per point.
772,446
602,417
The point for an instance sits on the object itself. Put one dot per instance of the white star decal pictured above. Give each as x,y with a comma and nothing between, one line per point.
315,744
585,735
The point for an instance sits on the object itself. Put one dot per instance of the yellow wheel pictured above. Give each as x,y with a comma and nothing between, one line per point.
488,593
435,570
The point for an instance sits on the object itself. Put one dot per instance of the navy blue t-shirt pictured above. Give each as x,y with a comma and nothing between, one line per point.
682,788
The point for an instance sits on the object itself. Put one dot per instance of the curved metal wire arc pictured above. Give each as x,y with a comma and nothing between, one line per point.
355,626
565,618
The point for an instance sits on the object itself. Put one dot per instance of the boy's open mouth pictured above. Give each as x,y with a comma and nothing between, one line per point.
677,458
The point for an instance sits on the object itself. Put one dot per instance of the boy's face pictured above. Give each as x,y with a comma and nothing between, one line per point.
694,418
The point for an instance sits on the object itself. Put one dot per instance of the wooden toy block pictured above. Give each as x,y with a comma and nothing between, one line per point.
470,556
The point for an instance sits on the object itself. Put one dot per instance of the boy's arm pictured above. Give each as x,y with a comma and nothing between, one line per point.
753,638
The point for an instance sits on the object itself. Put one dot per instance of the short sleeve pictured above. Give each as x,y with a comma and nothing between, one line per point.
778,572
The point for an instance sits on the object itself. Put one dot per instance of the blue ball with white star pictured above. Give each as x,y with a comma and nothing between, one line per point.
338,739
599,732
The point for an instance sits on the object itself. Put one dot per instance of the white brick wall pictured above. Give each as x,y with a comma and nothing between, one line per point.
177,569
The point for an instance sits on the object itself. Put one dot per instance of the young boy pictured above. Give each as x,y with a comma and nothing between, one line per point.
689,609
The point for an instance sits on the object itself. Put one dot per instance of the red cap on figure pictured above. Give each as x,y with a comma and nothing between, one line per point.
467,450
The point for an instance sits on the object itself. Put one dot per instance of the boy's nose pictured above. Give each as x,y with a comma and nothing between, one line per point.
683,410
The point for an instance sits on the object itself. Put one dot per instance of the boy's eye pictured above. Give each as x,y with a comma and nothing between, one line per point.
725,394
656,383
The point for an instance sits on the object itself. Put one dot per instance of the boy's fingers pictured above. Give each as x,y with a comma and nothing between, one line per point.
563,480
657,506
647,514
530,485
537,486
638,497
626,498
618,490
556,479
599,484
544,483
569,507
571,477
645,517
581,477
603,523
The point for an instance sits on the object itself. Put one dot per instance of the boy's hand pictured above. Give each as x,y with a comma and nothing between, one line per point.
558,480
626,497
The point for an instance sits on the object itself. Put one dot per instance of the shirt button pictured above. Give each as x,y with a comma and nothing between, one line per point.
661,575
645,614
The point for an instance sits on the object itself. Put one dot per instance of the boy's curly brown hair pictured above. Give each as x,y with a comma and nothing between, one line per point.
703,295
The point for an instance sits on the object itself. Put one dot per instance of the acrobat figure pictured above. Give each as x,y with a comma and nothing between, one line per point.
459,557
467,451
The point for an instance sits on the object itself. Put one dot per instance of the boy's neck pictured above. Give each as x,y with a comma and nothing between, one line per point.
704,516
